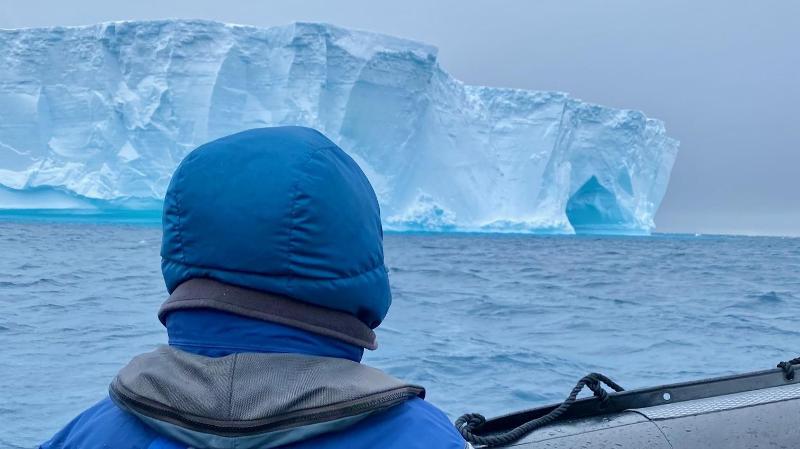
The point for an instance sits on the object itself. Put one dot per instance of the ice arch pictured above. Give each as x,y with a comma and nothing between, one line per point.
593,209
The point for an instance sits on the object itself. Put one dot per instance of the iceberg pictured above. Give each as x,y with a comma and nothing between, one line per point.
99,116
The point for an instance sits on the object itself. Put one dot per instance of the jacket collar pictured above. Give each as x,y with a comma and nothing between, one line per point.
214,333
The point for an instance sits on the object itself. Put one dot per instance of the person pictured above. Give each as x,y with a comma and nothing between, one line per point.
272,254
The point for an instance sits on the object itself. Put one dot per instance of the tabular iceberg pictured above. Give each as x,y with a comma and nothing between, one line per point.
99,116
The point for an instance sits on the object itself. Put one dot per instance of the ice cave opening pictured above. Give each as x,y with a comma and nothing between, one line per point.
593,209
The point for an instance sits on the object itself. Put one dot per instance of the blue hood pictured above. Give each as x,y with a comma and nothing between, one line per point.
279,210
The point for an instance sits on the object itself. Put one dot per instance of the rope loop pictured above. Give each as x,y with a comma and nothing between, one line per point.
597,390
788,368
469,425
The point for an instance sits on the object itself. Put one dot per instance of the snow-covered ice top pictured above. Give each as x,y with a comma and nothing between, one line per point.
99,116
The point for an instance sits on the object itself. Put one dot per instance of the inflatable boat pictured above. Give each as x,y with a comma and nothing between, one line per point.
758,409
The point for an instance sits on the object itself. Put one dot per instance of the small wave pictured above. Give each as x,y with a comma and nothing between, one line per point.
38,282
598,284
529,396
770,297
669,344
28,266
44,306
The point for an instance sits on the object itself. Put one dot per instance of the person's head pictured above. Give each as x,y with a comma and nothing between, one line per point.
277,224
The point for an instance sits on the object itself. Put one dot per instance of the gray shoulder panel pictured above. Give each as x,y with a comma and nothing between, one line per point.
248,393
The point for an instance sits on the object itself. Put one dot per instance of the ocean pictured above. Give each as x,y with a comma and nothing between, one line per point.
488,323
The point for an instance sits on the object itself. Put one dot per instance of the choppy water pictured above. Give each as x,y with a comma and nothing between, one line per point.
487,323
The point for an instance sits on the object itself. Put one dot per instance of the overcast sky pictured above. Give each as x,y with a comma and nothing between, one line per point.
724,76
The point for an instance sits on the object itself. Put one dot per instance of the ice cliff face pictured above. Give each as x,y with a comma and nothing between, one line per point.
99,116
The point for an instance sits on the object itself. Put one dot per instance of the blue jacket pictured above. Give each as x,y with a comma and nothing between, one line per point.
412,424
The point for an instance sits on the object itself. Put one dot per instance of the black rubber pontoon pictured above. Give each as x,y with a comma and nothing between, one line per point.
753,410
